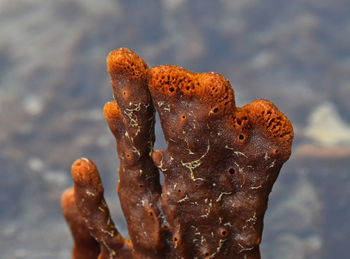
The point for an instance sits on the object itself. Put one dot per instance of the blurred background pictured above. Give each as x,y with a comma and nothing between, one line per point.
53,85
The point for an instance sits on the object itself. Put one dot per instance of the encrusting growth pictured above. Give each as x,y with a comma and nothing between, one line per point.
219,167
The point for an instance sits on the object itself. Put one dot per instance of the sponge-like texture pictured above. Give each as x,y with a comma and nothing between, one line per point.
219,167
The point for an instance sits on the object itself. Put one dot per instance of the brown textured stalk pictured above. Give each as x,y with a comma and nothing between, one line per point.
219,166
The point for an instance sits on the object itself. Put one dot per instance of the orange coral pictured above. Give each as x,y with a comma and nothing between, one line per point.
219,167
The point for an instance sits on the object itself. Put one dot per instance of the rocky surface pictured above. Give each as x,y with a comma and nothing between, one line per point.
53,85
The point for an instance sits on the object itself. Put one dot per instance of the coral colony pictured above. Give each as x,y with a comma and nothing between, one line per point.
219,167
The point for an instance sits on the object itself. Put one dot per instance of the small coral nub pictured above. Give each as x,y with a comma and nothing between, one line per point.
111,110
85,172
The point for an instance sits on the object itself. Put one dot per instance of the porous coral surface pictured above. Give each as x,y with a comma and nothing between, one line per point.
219,167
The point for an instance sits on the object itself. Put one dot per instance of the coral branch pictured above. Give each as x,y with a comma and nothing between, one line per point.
220,163
131,120
219,166
88,192
85,246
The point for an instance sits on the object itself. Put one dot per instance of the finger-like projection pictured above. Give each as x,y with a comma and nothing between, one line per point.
219,165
